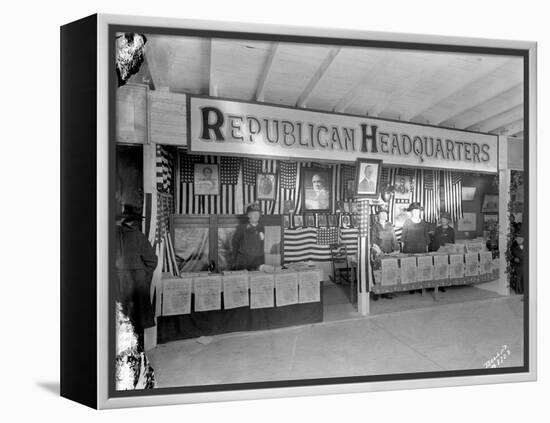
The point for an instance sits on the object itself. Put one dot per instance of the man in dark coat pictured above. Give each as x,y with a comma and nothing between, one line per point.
248,241
135,263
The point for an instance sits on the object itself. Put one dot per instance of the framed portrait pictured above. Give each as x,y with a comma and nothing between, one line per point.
468,193
490,203
310,220
317,188
266,186
206,179
298,221
467,223
345,221
354,220
403,187
349,189
489,218
322,220
332,220
367,178
288,206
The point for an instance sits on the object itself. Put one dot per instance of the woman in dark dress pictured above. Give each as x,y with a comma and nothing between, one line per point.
415,235
248,241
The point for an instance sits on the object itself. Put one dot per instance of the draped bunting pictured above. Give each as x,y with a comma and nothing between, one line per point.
452,183
432,195
164,166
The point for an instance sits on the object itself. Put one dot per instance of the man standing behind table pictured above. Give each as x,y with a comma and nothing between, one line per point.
318,198
444,233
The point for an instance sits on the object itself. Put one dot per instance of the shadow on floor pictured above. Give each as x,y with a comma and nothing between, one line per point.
51,387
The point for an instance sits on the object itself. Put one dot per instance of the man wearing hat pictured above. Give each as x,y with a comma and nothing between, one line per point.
444,233
135,263
415,235
248,241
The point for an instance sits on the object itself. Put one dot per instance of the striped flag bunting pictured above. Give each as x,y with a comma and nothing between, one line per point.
348,237
432,195
452,189
229,201
301,245
164,169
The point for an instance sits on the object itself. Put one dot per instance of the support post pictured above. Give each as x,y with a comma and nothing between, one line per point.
364,268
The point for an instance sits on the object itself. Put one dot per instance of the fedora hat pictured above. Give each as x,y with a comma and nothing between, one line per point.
129,212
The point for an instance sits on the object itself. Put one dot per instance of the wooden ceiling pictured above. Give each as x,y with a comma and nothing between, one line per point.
465,91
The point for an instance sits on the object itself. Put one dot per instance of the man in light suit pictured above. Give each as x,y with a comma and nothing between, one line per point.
368,183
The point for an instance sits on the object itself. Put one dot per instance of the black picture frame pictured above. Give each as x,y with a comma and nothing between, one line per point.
362,187
317,195
266,186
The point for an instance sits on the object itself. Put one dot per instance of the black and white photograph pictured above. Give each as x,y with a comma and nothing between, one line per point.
317,189
217,250
290,211
206,179
266,185
367,179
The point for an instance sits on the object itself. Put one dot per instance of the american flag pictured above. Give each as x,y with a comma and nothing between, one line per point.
288,173
452,189
432,197
327,236
229,201
164,166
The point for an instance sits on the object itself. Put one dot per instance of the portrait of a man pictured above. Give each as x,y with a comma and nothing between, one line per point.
403,187
206,179
367,178
316,187
266,186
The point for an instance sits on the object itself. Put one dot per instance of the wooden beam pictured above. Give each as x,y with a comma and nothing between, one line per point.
212,81
331,55
260,90
510,128
500,119
513,95
451,90
355,91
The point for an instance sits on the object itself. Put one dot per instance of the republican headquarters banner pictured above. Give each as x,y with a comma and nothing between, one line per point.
242,128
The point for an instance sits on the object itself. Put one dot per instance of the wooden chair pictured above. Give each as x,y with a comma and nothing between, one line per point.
341,270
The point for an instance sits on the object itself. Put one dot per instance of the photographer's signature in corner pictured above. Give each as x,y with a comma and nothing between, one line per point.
496,361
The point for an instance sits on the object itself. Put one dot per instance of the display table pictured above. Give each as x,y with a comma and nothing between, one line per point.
195,305
404,272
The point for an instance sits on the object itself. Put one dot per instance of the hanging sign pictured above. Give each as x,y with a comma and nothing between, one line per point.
241,128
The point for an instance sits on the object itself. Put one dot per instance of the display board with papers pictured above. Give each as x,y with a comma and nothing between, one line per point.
235,289
207,292
309,286
261,289
176,295
286,288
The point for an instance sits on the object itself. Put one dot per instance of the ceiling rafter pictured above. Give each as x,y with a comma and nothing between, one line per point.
260,90
355,91
514,95
451,90
331,55
510,128
500,119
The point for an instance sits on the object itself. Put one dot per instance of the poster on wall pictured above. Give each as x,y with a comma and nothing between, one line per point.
467,223
206,179
403,187
317,188
490,203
